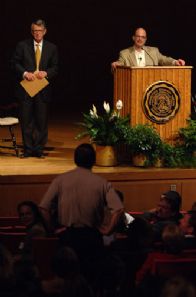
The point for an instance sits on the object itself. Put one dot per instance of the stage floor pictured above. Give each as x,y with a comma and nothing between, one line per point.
58,152
28,179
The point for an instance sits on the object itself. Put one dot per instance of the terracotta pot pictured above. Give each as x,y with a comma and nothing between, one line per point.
139,160
106,155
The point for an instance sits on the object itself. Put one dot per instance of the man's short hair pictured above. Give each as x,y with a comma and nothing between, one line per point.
39,22
85,156
174,199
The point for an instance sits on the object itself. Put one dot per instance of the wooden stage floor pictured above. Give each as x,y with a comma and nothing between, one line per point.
29,178
58,153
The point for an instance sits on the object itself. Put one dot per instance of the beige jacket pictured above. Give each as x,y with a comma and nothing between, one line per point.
152,57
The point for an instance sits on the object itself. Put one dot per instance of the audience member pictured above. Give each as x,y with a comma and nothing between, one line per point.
31,217
88,206
68,280
6,273
167,211
173,242
121,229
178,287
83,197
188,226
27,282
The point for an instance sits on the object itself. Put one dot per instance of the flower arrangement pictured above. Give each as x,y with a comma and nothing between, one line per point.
110,128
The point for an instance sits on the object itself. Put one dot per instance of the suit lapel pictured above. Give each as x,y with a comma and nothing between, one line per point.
133,60
32,51
43,55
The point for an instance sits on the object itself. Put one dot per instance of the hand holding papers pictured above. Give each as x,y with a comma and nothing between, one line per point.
32,87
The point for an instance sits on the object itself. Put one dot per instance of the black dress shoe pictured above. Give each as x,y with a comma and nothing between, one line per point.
25,155
39,155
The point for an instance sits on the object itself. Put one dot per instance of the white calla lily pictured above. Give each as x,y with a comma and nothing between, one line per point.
93,112
106,106
119,105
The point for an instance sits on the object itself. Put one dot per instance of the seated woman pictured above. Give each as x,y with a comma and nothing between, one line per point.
31,217
173,242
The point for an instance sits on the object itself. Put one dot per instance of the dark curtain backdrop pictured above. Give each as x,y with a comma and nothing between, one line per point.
89,35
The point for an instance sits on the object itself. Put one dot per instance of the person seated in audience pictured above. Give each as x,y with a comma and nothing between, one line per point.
31,217
26,280
188,227
178,287
67,280
173,242
6,272
167,211
121,229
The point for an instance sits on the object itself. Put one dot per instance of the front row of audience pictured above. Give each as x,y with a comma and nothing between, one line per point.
121,268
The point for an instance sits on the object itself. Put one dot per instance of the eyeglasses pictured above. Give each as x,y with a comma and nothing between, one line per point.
37,31
139,36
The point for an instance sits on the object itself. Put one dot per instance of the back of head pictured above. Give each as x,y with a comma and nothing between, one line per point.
174,199
85,156
65,263
178,287
173,239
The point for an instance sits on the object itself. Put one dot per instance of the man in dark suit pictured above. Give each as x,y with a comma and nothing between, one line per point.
33,110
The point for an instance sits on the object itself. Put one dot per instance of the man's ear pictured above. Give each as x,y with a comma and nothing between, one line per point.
133,38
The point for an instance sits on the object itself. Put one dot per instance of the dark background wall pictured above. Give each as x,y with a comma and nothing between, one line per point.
89,35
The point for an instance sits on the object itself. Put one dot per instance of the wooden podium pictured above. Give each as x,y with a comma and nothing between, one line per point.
133,85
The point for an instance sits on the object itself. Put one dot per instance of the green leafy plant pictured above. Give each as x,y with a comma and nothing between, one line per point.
144,139
187,136
110,128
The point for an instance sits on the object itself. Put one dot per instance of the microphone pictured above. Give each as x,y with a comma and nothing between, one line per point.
149,56
140,59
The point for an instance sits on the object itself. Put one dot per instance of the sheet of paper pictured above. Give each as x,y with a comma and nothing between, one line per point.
35,86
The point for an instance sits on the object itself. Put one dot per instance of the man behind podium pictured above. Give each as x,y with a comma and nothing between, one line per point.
141,55
33,110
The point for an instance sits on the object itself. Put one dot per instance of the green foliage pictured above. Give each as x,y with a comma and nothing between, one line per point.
107,129
187,136
144,139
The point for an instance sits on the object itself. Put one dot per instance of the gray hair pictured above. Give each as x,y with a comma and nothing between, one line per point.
39,22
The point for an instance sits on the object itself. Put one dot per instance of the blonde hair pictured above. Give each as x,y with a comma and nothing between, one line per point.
173,238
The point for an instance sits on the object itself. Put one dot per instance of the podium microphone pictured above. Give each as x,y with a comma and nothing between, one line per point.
149,56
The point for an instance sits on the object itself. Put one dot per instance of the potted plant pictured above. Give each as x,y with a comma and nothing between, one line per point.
145,145
187,136
106,131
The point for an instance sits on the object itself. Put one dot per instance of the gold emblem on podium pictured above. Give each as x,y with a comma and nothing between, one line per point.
161,102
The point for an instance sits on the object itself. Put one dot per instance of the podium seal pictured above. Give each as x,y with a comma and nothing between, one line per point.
161,102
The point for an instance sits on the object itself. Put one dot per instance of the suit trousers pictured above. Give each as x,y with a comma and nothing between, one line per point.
34,123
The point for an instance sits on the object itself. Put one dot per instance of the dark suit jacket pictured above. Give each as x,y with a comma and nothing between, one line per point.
24,60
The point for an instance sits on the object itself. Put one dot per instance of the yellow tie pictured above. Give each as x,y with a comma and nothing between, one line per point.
37,56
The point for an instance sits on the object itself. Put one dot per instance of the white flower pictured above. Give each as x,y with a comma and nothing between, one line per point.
93,112
119,105
106,106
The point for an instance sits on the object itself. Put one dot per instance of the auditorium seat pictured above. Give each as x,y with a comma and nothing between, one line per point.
9,221
185,267
12,240
43,250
